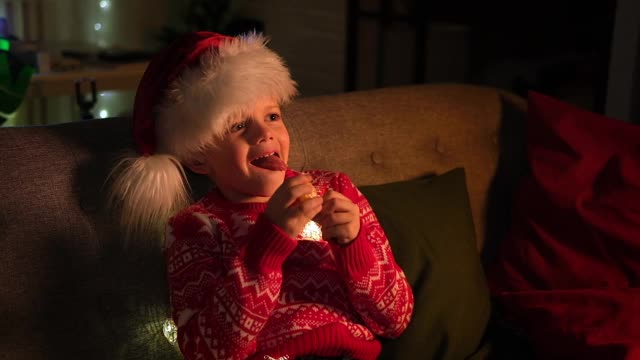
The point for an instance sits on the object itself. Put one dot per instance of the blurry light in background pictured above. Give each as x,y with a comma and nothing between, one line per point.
97,26
5,45
114,104
104,4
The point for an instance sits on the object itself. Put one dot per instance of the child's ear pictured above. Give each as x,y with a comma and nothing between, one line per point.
197,166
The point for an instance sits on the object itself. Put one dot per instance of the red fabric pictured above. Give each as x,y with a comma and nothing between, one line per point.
241,288
165,67
568,273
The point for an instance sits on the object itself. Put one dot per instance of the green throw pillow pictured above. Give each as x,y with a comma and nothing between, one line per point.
430,228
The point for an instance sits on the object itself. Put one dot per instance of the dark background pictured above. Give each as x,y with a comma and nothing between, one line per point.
561,48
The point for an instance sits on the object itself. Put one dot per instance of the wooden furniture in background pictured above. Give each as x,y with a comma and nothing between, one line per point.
44,86
115,77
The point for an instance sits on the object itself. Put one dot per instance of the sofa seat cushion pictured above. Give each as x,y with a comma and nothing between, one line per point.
568,272
430,228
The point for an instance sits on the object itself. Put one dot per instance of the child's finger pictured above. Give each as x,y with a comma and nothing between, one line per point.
338,234
297,180
332,194
291,189
336,218
310,208
335,206
297,192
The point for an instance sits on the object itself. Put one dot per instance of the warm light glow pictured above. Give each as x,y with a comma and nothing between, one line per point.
104,113
104,4
97,26
170,331
312,231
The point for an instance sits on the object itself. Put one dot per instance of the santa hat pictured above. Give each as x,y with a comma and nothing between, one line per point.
186,99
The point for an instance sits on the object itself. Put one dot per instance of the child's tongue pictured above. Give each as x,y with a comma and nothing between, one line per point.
271,162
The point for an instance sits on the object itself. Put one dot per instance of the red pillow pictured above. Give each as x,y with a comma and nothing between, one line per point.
568,273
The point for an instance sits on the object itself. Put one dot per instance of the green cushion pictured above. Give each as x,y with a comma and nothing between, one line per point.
430,228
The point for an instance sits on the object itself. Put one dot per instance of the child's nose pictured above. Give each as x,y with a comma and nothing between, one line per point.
261,132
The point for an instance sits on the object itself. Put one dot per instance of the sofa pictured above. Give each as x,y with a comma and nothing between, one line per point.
70,288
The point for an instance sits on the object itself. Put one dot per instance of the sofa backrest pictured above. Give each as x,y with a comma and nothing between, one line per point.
400,133
68,288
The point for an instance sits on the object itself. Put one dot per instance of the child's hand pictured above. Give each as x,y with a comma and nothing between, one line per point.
286,211
339,218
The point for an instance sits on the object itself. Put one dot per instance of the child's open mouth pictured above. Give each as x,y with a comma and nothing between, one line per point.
270,161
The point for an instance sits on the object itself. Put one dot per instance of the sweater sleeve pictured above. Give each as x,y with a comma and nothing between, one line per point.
220,301
378,288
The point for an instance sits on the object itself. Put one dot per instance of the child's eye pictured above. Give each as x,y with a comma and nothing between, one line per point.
274,117
238,126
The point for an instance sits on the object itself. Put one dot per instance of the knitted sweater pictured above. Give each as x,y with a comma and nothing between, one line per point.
242,288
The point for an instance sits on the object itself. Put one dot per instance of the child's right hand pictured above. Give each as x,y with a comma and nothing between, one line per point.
284,209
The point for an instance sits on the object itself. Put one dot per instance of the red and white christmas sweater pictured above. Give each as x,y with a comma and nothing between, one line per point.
242,288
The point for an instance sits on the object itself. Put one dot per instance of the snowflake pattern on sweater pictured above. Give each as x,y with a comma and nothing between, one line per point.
242,288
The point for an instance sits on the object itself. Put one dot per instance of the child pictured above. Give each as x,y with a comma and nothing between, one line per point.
247,276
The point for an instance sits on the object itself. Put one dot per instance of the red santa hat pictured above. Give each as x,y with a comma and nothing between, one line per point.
186,99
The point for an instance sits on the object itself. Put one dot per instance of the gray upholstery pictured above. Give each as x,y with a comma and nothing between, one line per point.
68,288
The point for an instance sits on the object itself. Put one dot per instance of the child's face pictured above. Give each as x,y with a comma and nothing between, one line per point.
248,164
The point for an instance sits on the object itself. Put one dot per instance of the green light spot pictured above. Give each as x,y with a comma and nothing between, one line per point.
5,45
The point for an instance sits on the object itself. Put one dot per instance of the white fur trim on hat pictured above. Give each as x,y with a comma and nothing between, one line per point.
229,81
147,190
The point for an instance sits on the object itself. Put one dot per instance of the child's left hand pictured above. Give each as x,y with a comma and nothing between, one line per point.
339,218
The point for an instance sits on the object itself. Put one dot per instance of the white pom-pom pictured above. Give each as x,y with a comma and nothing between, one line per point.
147,191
